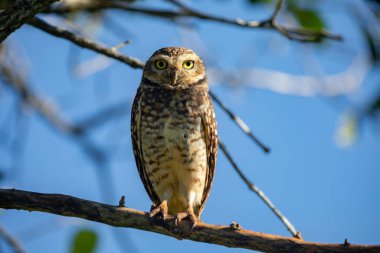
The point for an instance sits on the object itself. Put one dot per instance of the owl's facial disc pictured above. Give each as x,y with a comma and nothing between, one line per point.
179,71
164,70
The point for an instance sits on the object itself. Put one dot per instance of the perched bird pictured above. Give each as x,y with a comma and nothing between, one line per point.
174,134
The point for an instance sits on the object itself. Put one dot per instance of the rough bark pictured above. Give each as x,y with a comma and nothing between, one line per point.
18,14
229,236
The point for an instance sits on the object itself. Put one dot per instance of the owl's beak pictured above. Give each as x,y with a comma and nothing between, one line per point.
174,76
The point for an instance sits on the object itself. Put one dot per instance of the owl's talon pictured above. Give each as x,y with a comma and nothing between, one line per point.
160,211
186,216
189,227
193,225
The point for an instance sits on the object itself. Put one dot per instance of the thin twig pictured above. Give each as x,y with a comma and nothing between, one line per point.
257,190
300,34
97,63
11,240
85,42
240,123
122,44
277,9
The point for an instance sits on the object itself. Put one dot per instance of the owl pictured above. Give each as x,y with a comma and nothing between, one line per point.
174,134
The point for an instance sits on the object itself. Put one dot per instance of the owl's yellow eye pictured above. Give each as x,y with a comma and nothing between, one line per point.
188,64
161,64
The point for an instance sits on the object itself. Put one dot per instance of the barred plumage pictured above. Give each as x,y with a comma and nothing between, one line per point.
174,133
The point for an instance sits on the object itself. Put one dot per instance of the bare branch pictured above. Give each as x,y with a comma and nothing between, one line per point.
19,13
11,240
300,34
241,124
258,191
85,43
231,236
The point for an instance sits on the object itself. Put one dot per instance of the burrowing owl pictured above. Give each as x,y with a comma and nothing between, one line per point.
174,133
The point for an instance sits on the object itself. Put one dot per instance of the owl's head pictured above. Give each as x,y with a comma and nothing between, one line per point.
174,67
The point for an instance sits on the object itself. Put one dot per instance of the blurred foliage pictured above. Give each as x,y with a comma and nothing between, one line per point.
374,109
370,31
347,131
371,44
307,17
5,3
375,5
84,241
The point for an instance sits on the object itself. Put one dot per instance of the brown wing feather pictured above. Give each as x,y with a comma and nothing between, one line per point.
211,140
136,143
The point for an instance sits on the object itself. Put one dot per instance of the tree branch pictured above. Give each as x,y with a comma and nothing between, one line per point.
85,43
294,33
19,13
259,192
240,123
230,236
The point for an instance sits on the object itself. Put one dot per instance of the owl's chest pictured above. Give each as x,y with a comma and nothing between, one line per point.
174,116
171,125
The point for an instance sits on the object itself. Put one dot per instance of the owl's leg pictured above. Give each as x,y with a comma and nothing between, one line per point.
189,214
160,210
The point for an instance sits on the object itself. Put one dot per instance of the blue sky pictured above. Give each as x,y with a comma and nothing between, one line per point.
328,192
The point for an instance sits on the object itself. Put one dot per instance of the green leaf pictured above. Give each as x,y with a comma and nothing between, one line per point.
84,241
309,18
